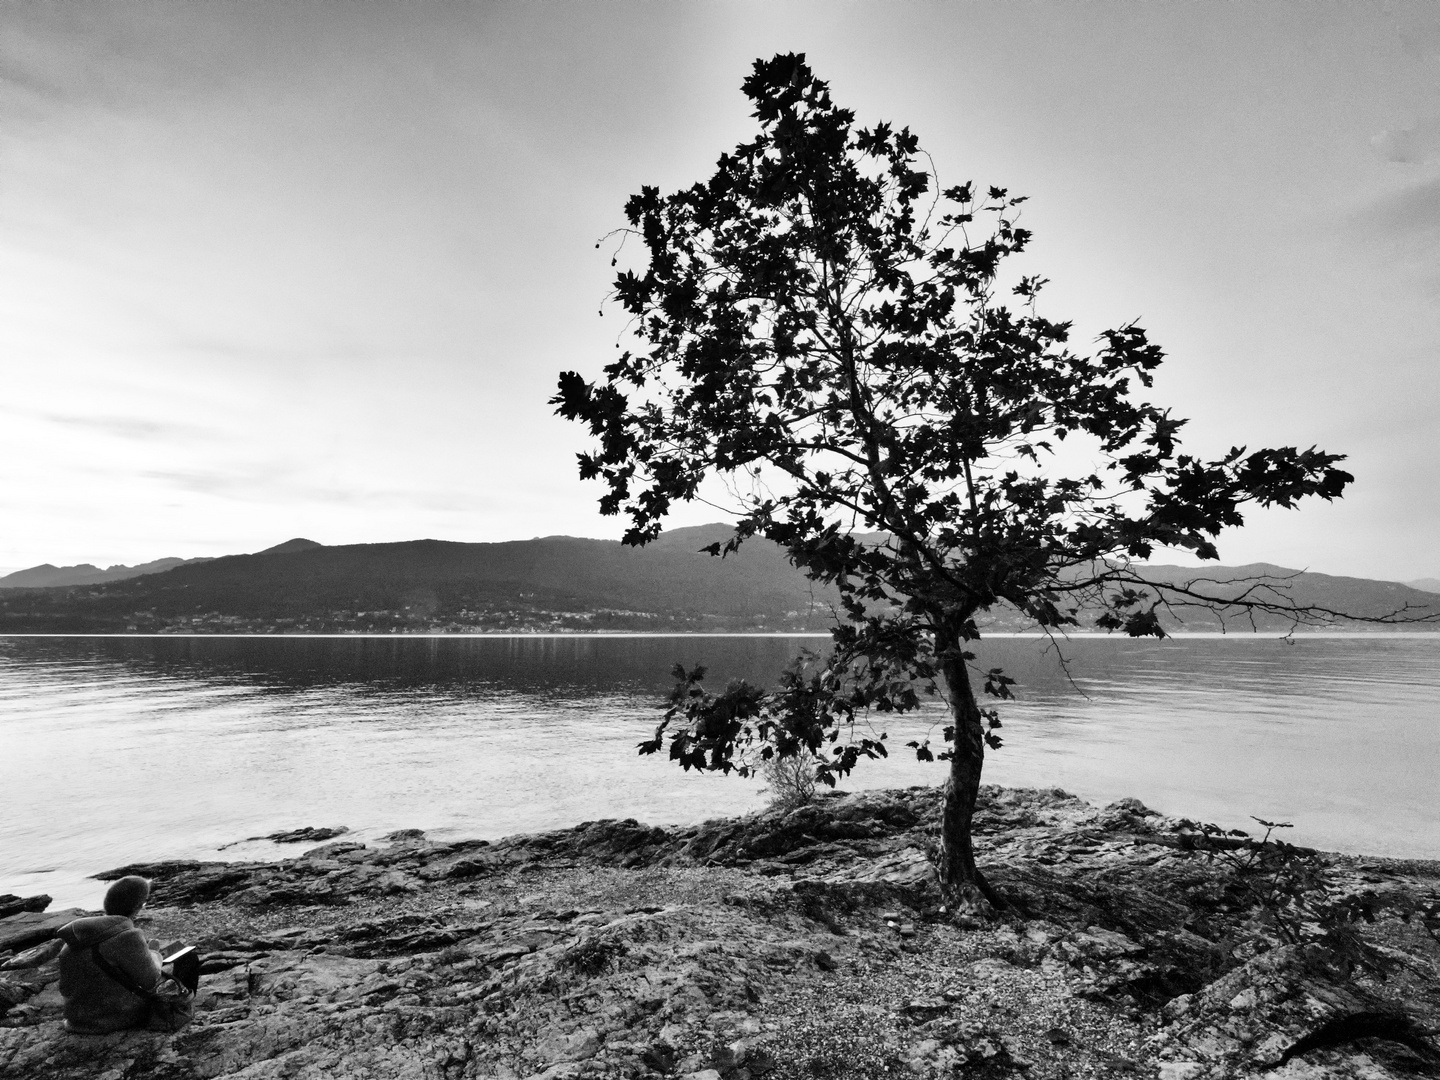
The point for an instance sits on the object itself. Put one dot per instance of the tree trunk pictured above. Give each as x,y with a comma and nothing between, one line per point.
961,881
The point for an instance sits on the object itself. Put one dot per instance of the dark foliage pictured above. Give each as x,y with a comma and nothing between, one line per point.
1292,892
826,328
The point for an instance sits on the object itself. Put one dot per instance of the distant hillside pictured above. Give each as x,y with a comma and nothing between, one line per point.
298,544
549,583
1426,584
47,576
1354,596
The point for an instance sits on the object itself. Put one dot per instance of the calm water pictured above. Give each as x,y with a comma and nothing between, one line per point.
121,749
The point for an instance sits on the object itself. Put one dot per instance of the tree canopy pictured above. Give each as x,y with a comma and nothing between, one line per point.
843,343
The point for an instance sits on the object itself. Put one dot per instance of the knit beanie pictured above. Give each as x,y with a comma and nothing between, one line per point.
127,896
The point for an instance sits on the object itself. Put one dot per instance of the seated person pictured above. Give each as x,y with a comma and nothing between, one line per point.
111,976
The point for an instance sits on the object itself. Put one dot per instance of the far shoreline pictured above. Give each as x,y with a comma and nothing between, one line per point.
1263,635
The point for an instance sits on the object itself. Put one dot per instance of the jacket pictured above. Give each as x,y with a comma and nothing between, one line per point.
94,1002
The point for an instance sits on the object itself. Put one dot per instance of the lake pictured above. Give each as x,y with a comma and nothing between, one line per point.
118,749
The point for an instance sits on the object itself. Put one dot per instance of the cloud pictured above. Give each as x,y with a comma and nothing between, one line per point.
1398,235
127,427
246,481
1413,145
1413,213
283,485
1419,31
138,428
15,76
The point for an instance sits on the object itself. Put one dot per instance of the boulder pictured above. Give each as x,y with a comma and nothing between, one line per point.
10,904
34,956
28,928
309,834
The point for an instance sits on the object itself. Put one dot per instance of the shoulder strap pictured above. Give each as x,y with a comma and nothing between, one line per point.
118,974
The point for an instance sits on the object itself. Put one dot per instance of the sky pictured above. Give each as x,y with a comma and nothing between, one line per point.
310,269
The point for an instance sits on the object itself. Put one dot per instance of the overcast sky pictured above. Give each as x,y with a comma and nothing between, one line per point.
302,269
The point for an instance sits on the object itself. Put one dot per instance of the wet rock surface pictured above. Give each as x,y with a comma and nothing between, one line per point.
10,904
807,944
307,835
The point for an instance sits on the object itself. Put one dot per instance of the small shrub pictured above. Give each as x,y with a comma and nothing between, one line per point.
452,955
594,955
1291,891
789,781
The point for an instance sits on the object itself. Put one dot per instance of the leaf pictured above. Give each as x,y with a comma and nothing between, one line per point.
1272,824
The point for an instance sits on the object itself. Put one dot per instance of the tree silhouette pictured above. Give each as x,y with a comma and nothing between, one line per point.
827,331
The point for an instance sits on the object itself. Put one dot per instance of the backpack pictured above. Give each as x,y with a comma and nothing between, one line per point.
170,1006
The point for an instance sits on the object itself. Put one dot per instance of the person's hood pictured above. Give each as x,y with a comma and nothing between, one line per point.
82,933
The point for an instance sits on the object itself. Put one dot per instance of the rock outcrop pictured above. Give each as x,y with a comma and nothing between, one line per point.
812,943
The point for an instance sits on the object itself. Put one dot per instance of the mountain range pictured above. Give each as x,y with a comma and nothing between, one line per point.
47,575
556,582
549,583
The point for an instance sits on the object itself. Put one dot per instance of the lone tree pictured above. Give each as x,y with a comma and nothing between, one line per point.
825,330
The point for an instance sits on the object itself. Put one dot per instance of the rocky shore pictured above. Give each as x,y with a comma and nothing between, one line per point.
800,944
